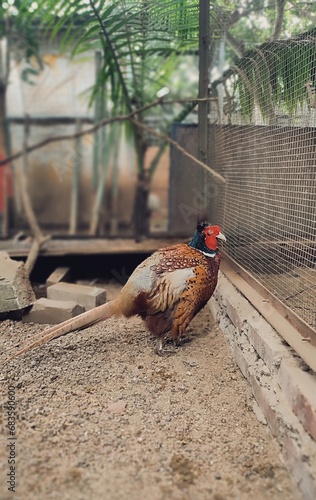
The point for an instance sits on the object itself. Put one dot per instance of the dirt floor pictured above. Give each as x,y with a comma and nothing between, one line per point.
100,416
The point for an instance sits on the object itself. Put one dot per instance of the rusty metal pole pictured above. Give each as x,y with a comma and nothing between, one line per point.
204,54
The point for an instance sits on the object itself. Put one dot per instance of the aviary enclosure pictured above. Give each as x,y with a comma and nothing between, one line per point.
122,124
256,131
261,138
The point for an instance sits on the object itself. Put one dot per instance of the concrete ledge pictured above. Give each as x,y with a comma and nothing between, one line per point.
283,389
87,296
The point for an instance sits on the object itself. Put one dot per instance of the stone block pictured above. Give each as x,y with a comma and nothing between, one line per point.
15,288
238,309
302,465
267,343
48,311
87,296
60,274
299,388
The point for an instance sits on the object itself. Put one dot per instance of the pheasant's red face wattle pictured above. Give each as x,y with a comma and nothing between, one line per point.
211,235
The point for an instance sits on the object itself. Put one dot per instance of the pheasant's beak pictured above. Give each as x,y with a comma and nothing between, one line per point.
220,236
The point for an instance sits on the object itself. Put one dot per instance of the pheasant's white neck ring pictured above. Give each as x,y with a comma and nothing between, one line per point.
208,254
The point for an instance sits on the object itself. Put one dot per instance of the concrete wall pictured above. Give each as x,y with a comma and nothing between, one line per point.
283,386
63,89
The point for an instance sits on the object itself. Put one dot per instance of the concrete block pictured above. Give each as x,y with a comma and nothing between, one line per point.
267,343
15,287
299,388
87,296
238,309
48,311
302,465
233,315
60,274
268,403
242,361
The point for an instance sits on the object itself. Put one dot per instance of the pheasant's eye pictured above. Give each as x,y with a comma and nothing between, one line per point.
209,233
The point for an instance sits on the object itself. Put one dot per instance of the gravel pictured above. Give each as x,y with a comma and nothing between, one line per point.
100,415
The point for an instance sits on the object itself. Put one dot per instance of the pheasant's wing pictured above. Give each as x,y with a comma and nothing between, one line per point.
164,277
187,281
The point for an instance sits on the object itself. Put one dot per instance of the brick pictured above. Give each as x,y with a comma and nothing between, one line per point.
242,361
267,401
238,308
48,311
60,274
302,466
299,388
15,288
266,342
87,296
233,315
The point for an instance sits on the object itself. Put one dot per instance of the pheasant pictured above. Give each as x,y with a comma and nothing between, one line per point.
166,290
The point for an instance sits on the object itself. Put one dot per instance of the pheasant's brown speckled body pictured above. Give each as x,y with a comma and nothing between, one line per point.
172,287
167,290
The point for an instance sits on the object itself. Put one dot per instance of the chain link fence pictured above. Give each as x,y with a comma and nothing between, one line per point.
262,139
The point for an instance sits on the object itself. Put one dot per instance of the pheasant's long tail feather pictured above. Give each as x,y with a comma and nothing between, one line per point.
81,321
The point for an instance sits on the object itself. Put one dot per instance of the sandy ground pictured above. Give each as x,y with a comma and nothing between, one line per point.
100,416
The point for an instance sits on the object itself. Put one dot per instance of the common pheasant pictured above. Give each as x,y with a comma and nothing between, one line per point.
166,290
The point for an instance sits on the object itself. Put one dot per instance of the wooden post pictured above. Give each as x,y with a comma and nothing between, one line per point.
38,238
204,48
98,115
75,183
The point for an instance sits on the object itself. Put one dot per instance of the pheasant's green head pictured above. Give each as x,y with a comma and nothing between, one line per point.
206,238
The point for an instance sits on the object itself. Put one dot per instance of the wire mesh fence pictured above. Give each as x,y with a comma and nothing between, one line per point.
262,139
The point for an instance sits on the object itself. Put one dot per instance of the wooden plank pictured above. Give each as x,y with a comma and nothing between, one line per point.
47,121
92,246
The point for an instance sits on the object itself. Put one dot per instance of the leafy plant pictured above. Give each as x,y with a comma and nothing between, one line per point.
141,42
276,75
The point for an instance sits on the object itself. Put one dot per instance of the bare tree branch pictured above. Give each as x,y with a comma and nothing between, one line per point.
236,45
304,12
280,6
164,137
96,127
227,21
310,95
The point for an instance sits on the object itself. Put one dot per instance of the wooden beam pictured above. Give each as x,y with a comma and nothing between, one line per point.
49,120
87,246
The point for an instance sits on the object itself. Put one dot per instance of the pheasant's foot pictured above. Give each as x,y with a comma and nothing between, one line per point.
180,341
161,351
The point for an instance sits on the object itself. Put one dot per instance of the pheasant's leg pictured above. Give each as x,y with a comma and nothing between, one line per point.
160,350
159,347
176,342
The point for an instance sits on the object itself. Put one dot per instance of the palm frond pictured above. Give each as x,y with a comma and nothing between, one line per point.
276,75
